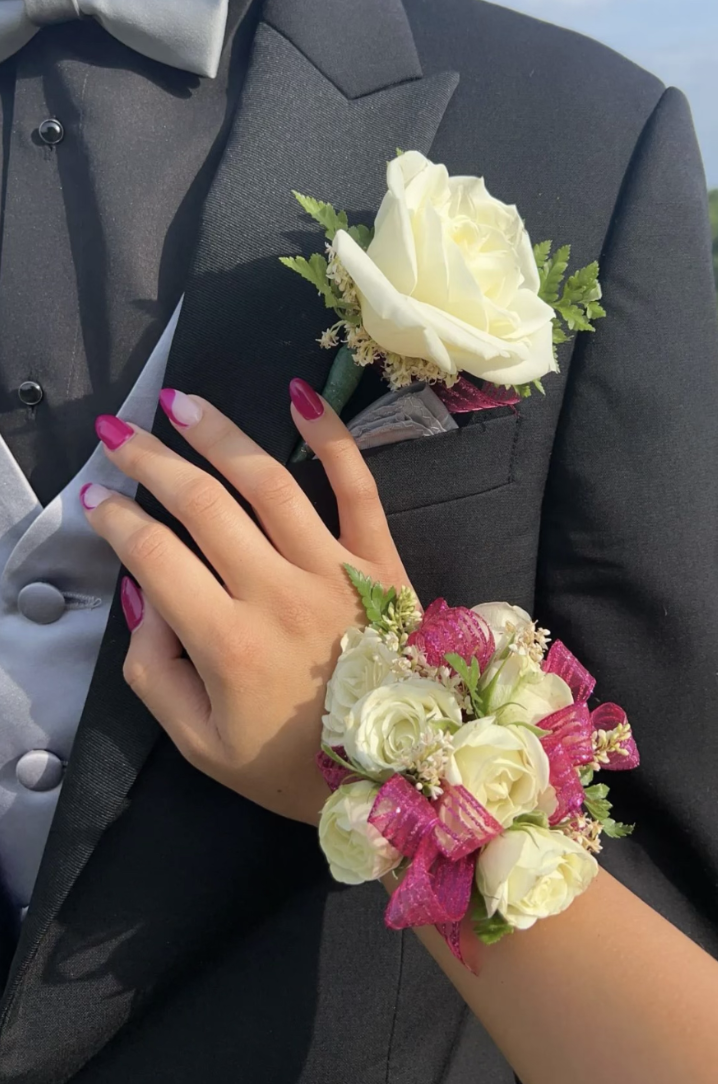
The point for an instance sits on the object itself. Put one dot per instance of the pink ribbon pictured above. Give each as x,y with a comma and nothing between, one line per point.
464,396
454,629
570,741
441,839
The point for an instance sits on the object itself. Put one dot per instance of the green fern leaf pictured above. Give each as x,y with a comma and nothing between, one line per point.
324,214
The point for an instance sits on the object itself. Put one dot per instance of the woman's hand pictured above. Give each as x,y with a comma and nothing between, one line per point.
245,705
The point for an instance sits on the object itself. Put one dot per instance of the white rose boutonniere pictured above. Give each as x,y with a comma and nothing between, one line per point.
445,282
355,850
504,767
530,873
365,663
450,279
387,727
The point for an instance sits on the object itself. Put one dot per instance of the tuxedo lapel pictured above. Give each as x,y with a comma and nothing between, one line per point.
334,87
249,324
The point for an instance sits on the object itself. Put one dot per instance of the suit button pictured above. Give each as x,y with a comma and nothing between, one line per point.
51,131
41,603
39,770
30,393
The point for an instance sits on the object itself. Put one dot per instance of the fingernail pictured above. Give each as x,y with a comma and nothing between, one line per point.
133,604
112,431
305,399
179,408
93,494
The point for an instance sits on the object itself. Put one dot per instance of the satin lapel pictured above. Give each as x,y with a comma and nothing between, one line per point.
248,325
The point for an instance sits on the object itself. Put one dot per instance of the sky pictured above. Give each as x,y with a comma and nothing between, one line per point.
675,39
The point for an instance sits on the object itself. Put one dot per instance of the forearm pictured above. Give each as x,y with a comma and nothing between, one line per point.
607,991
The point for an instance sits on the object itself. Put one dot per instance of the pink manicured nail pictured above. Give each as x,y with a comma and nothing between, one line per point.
112,431
133,604
305,399
179,408
93,494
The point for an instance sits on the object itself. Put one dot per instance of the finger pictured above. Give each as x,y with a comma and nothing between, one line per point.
166,683
284,510
231,542
184,591
364,529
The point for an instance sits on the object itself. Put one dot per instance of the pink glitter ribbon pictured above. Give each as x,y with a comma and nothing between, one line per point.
454,629
464,396
570,741
441,839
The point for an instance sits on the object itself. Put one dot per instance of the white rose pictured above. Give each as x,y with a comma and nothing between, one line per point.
520,694
504,620
504,767
530,873
389,721
365,662
356,850
451,278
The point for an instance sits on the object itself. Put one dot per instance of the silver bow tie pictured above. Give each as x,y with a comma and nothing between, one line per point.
187,34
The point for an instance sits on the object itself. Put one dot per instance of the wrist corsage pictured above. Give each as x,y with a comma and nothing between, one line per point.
461,753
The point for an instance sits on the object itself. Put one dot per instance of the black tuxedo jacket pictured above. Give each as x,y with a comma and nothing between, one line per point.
180,934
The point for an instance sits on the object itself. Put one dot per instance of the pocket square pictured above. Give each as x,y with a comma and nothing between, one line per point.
401,415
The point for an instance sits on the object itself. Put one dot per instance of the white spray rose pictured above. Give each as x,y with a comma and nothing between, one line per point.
516,694
451,278
390,721
356,850
505,622
504,767
365,662
530,873
516,688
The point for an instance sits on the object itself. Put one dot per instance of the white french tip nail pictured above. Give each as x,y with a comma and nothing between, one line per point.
93,494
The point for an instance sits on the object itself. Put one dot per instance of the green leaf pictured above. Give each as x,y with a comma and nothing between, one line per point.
314,270
470,674
616,830
598,809
552,274
363,235
374,598
585,775
542,251
596,802
595,310
488,930
537,819
333,755
463,669
559,335
324,214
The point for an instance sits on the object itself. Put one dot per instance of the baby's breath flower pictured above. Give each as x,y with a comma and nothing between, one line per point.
608,743
583,830
427,761
330,338
529,642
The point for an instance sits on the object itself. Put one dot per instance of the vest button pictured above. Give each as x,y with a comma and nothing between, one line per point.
30,393
39,770
51,131
41,603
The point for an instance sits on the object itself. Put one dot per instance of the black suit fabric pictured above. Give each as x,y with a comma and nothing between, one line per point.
179,933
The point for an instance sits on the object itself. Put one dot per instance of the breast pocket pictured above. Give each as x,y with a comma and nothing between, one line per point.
428,471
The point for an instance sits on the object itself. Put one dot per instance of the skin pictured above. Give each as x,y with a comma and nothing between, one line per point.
607,991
